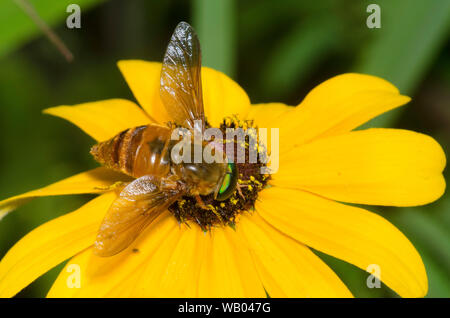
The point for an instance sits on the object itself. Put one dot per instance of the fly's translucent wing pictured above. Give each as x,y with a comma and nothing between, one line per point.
181,84
138,205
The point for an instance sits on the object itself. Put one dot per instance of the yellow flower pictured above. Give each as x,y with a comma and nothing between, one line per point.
322,161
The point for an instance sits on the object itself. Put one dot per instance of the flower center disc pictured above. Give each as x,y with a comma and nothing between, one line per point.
250,181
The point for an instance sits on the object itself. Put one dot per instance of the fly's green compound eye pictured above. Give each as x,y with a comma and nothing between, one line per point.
229,183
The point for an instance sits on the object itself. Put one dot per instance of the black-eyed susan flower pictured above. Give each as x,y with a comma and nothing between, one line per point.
323,164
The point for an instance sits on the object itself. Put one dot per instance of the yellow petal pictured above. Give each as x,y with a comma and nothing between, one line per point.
103,119
338,105
286,267
227,269
222,97
266,115
112,276
374,166
50,244
349,233
170,262
172,270
143,78
93,181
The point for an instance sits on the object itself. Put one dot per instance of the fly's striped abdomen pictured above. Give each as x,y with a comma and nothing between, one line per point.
137,151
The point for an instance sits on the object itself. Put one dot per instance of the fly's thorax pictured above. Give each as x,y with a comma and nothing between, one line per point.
203,165
201,178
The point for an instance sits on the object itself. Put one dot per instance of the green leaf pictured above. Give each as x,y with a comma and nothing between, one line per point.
214,21
16,27
412,33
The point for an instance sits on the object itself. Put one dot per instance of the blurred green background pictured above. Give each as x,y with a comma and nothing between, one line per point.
277,50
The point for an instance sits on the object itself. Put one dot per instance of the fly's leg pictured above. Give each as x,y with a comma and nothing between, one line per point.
208,207
200,203
239,187
119,185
